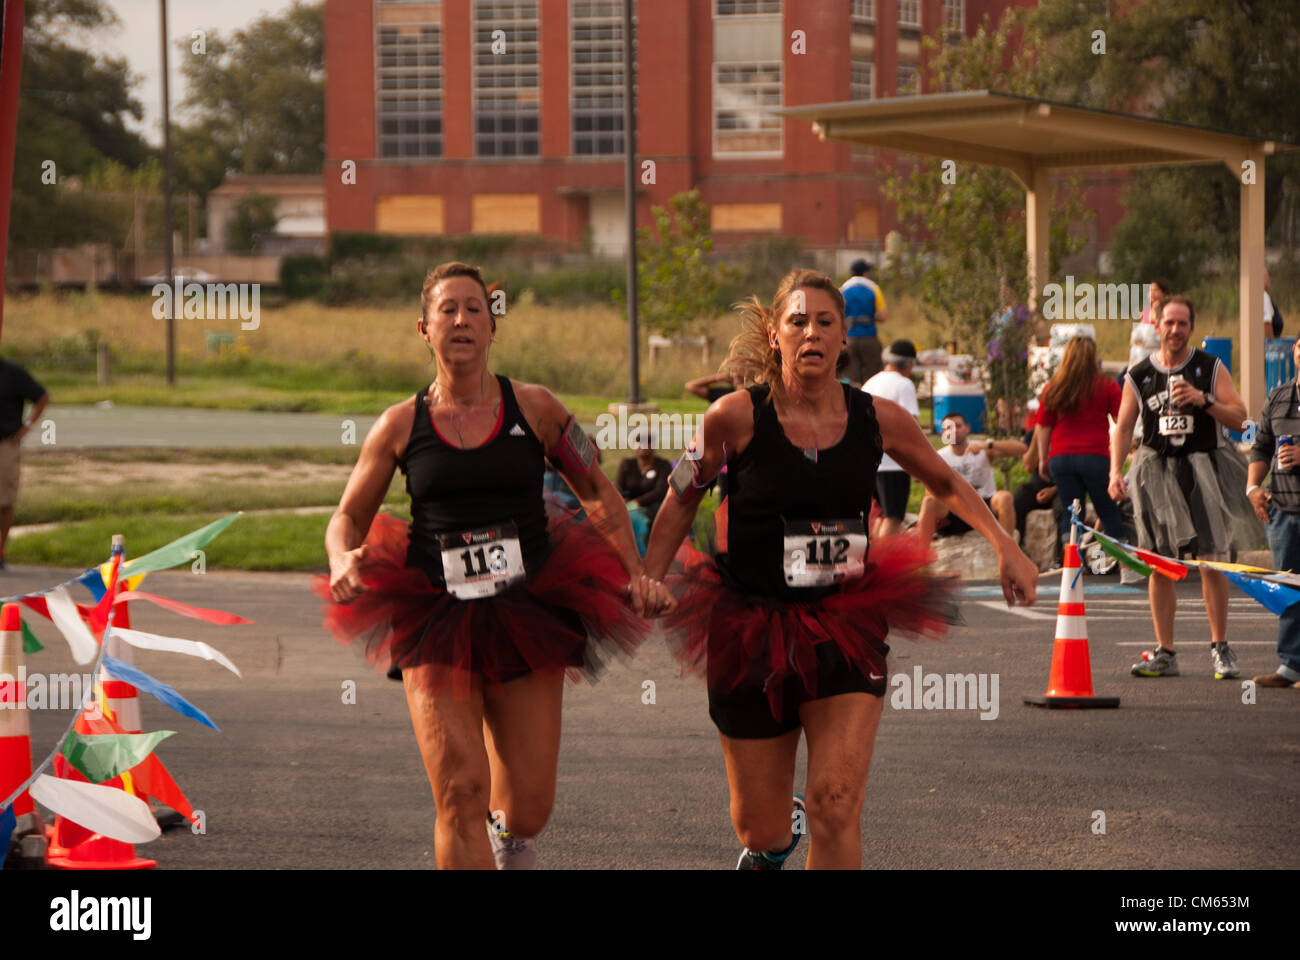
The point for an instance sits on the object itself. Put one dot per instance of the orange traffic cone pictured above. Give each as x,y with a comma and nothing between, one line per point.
72,846
1070,683
15,737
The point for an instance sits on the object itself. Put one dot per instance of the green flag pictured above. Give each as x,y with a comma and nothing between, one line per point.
1122,555
30,643
102,757
178,551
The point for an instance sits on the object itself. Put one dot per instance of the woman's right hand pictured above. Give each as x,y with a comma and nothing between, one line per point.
345,575
1044,472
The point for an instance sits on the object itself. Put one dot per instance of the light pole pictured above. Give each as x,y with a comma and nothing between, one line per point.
629,201
167,204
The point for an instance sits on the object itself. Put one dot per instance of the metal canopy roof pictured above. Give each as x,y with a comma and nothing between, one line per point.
1020,133
1031,137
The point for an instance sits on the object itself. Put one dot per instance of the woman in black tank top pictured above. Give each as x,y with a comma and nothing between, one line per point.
788,617
483,602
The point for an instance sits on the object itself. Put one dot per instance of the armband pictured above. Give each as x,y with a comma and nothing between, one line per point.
575,452
684,477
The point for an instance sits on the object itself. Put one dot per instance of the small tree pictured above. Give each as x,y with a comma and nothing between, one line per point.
679,285
970,223
255,216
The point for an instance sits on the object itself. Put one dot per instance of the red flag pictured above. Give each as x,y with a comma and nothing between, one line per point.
1170,568
219,617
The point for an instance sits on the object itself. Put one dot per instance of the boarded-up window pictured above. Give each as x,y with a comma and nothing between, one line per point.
746,216
506,213
865,224
417,213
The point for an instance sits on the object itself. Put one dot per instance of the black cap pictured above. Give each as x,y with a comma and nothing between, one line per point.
859,267
900,350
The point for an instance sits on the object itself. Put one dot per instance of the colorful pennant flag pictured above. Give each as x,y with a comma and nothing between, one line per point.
104,810
138,678
220,617
193,648
93,580
1123,556
102,758
178,551
8,823
63,611
31,643
1277,597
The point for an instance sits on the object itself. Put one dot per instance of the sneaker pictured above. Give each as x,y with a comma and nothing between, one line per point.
511,852
749,860
1157,663
1273,680
1224,662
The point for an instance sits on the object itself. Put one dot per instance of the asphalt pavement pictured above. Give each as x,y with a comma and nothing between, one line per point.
1186,774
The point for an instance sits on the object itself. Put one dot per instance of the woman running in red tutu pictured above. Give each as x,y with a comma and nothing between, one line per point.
480,604
789,618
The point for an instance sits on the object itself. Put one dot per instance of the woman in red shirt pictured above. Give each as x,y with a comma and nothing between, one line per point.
1076,405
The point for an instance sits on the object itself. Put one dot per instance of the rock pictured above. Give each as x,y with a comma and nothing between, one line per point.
969,555
1040,538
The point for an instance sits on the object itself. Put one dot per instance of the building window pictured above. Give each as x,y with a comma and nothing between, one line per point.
954,15
507,82
909,13
909,80
408,79
596,90
863,10
746,8
862,80
742,92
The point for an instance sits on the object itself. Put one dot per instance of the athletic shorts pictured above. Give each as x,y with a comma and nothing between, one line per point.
956,525
746,714
893,487
10,461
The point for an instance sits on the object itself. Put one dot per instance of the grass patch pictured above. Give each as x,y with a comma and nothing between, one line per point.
267,542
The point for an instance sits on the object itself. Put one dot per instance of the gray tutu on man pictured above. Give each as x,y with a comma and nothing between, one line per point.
1215,513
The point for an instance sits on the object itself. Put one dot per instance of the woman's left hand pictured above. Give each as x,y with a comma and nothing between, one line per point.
1045,473
650,598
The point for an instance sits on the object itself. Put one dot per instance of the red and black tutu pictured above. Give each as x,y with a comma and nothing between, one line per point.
740,640
569,613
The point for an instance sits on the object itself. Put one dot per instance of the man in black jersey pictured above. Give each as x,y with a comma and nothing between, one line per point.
1183,478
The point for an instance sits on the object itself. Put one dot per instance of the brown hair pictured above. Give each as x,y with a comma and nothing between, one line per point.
1074,379
751,356
1191,310
453,269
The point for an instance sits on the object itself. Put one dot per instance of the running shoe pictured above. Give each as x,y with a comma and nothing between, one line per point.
511,852
1157,663
1224,662
749,860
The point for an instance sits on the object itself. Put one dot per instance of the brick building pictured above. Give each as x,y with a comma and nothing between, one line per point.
505,116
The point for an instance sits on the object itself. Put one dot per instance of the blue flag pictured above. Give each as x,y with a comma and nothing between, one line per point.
1277,597
8,822
138,678
93,581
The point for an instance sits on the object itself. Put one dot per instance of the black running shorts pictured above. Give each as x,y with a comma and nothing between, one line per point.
745,714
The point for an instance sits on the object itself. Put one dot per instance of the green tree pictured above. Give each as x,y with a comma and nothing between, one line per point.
679,283
968,222
72,112
256,99
254,217
1229,66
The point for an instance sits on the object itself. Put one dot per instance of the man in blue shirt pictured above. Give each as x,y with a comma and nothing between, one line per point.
864,307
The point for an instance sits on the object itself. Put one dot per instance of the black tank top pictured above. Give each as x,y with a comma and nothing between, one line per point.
774,481
454,490
1152,384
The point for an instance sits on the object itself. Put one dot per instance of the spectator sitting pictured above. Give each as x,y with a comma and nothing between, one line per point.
1036,493
643,482
971,462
